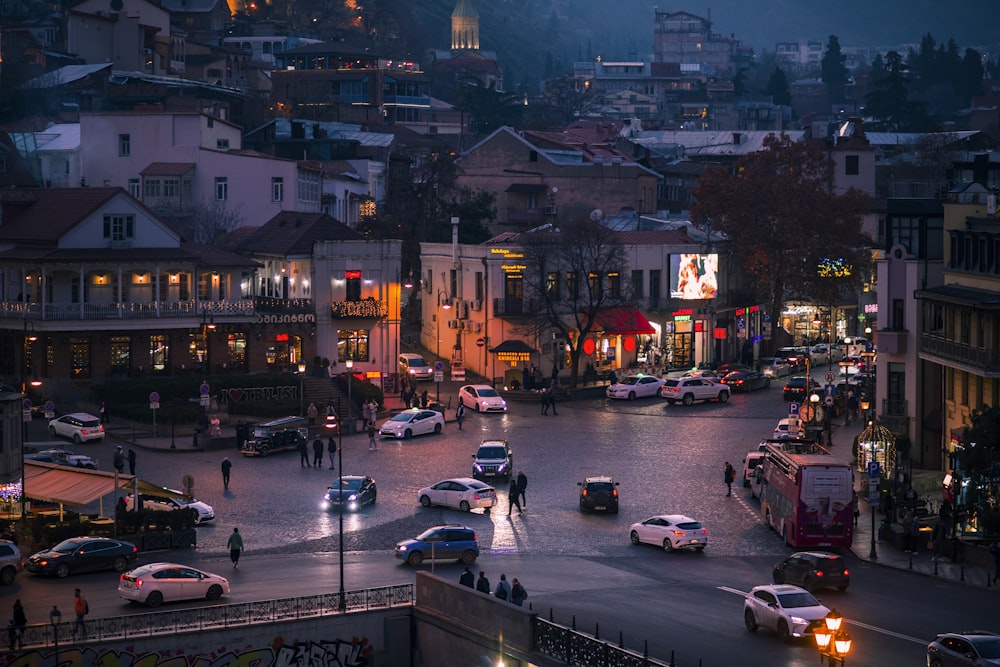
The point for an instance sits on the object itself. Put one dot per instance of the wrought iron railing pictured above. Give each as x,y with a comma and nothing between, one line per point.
577,648
217,616
986,360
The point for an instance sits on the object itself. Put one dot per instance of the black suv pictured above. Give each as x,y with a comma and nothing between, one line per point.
599,494
447,541
812,570
795,388
493,460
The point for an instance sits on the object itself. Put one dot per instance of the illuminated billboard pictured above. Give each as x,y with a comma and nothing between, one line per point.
694,276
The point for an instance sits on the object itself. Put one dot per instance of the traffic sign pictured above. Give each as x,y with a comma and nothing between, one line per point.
874,469
438,368
26,404
480,342
829,376
793,409
439,375
807,413
829,389
828,401
204,389
50,409
154,397
873,494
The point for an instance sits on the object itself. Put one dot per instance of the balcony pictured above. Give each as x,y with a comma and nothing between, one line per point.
954,354
514,307
267,304
153,310
892,342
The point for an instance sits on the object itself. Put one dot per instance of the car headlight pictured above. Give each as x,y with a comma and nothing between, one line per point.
478,467
400,547
502,466
352,497
798,620
326,497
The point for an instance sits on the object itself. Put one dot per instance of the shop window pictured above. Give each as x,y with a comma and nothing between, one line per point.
121,354
79,349
353,344
159,352
237,344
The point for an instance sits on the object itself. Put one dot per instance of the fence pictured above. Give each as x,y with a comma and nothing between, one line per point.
576,648
151,624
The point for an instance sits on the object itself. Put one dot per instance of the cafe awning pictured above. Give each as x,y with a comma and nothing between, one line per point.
623,320
513,345
78,487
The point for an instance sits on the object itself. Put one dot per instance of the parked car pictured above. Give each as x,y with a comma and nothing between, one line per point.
795,388
78,427
493,460
83,554
11,562
689,390
784,429
671,532
63,458
462,493
481,398
775,367
824,352
351,491
787,610
276,435
176,501
751,462
706,373
632,387
974,647
746,381
415,367
156,583
599,494
727,368
812,570
411,422
450,541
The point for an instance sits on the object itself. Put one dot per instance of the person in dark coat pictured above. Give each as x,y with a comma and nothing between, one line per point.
483,584
317,453
522,484
552,401
545,402
304,454
17,624
467,578
331,449
512,495
131,461
226,466
119,459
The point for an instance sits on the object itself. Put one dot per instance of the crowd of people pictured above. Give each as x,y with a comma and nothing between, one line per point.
509,591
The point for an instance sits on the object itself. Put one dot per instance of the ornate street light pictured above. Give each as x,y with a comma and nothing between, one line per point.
834,643
876,456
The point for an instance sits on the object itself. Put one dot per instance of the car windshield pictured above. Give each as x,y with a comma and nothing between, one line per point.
487,393
689,525
492,453
988,647
347,485
631,379
416,361
792,600
428,534
67,546
403,417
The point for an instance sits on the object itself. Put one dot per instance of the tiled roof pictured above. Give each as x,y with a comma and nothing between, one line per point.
295,233
45,215
167,169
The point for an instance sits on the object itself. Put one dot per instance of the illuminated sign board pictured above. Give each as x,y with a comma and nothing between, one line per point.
352,275
513,356
509,254
694,276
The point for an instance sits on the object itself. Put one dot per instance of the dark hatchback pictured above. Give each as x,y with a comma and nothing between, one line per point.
795,388
599,494
354,492
812,570
83,554
746,381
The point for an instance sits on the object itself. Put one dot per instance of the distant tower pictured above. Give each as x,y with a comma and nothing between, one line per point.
464,27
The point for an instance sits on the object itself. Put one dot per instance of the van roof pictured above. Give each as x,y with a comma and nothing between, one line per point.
281,421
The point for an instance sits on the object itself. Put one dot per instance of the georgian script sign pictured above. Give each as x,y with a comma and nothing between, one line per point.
364,308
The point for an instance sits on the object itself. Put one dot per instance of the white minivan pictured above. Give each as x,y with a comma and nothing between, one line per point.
414,366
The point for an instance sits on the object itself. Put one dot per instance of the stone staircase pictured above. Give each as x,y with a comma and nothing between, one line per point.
320,390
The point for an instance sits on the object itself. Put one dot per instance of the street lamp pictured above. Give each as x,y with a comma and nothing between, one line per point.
342,602
29,339
55,617
302,388
350,376
442,304
834,643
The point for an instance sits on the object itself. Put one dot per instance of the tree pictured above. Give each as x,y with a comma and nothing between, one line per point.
889,103
566,276
792,233
214,218
834,73
777,88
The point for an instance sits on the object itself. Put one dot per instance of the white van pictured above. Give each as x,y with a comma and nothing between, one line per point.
414,366
750,463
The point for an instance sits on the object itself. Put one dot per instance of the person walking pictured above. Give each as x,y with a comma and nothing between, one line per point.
235,547
423,399
545,401
467,578
517,593
522,484
105,419
226,467
460,414
729,475
331,449
372,443
304,454
318,453
312,413
555,376
512,494
552,401
17,623
119,459
81,609
938,538
131,461
503,588
483,584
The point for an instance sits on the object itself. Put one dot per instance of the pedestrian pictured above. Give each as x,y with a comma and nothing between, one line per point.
372,444
467,578
914,527
235,547
119,459
423,399
104,413
852,407
241,433
512,495
17,624
938,538
331,449
216,427
552,401
318,453
545,401
312,413
81,609
131,461
304,454
226,467
483,584
907,520
503,588
995,552
555,376
522,484
517,593
460,414
729,475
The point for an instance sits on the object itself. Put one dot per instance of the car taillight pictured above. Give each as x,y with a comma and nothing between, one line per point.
584,493
819,573
614,492
846,573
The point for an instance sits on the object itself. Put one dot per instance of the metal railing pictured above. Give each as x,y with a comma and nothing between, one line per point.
986,360
115,628
577,648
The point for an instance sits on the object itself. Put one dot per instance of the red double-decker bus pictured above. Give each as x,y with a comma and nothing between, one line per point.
805,496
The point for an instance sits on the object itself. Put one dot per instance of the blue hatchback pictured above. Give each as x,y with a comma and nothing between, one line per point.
450,541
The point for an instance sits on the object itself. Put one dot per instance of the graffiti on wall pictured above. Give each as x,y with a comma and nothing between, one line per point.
332,653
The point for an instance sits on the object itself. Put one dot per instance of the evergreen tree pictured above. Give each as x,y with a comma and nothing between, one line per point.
777,88
834,73
889,103
970,80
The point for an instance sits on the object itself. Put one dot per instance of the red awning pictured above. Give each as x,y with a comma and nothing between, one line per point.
623,320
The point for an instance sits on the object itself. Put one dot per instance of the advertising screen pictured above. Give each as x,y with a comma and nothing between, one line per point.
694,276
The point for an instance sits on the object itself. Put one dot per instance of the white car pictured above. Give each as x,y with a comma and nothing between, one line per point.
462,493
157,583
687,390
78,427
415,421
824,352
670,531
775,367
164,504
632,387
482,398
784,431
788,610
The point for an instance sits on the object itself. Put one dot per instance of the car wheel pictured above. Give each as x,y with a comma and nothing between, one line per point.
700,550
723,396
264,451
154,599
62,570
464,506
437,428
407,434
777,577
783,632
120,563
76,438
425,501
214,592
468,557
7,576
668,546
478,408
688,399
631,396
415,558
749,621
52,432
670,402
634,536
374,497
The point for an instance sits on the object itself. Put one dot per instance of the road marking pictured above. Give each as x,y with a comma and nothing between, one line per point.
754,513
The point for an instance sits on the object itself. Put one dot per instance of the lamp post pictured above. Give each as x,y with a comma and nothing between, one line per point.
350,377
814,402
833,642
342,601
444,304
55,617
302,388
